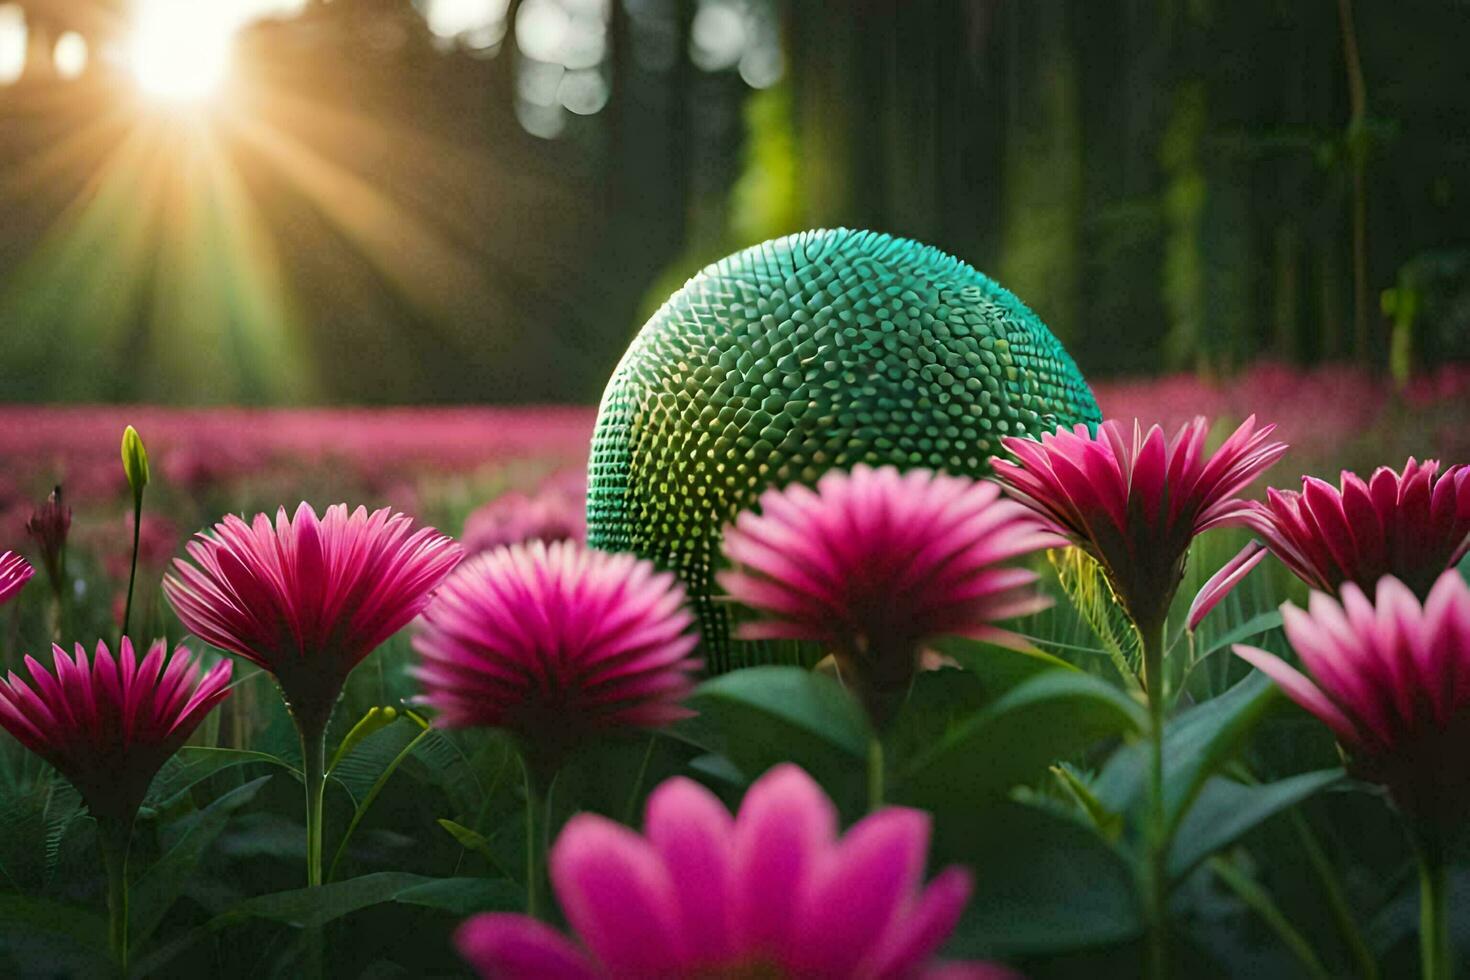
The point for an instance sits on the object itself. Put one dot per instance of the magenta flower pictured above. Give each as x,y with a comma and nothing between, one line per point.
1411,525
516,518
873,563
308,599
1391,678
1134,503
15,572
556,643
108,725
772,892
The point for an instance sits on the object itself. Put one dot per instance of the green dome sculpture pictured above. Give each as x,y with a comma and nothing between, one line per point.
815,351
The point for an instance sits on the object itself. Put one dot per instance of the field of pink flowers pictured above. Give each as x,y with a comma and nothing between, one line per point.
1121,711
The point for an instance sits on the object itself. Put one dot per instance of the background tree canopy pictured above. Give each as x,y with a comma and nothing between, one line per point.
480,200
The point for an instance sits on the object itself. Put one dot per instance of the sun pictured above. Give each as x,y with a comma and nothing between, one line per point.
181,50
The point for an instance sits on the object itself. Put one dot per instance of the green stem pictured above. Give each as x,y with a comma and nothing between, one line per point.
1434,918
133,574
1260,901
1342,915
114,838
314,771
1156,883
538,814
875,772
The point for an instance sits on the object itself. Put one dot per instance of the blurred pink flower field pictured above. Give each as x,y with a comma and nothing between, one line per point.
442,463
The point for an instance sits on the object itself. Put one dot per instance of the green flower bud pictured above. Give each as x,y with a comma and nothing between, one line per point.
135,461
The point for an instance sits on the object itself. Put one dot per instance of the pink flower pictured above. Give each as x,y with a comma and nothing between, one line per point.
15,572
772,892
1411,525
873,563
516,518
556,642
308,599
1392,681
109,725
1134,503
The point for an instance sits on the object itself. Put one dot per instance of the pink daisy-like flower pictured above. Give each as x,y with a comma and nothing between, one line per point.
1411,525
555,642
1391,678
306,598
773,892
1134,502
874,562
15,572
108,725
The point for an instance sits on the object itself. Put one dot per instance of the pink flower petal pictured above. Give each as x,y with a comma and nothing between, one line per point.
617,895
1223,581
516,947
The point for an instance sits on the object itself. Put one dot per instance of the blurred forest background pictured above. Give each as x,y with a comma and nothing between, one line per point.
480,200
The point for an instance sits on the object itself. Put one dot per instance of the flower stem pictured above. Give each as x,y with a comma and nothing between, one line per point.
538,816
314,772
1331,884
1156,883
133,574
1434,919
314,776
114,839
875,772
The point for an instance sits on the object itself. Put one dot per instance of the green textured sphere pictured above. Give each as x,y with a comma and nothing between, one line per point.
815,351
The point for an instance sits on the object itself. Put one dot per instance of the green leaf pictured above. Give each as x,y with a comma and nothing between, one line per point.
313,907
1087,586
1255,626
193,764
1043,883
1196,744
153,894
362,768
998,669
938,701
372,794
465,896
1050,717
26,914
470,840
1108,823
1226,810
761,716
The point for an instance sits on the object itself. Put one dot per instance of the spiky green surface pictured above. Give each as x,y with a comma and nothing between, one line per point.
816,351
